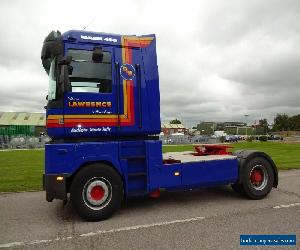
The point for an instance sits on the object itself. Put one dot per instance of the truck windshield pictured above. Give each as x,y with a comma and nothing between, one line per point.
89,76
52,82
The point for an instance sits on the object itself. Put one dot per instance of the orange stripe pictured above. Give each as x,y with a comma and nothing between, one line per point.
128,99
52,121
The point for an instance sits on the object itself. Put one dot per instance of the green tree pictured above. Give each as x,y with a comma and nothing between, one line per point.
264,124
281,122
175,121
294,122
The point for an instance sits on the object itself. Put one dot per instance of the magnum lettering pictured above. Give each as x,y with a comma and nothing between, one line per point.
89,104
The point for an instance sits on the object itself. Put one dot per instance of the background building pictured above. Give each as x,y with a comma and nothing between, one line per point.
169,129
21,123
230,128
239,130
207,128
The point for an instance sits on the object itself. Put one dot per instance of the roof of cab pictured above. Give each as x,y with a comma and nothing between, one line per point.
83,36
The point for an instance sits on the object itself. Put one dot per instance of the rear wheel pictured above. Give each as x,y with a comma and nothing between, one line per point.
96,192
257,179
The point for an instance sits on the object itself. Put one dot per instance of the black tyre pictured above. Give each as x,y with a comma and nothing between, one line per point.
96,192
257,178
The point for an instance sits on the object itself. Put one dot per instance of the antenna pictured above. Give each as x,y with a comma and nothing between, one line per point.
89,23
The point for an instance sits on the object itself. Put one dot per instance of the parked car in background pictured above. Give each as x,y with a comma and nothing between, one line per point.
231,138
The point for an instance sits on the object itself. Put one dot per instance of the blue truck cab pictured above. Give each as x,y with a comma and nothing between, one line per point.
103,117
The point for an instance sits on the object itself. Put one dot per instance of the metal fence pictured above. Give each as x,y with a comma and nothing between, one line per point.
22,141
187,139
14,130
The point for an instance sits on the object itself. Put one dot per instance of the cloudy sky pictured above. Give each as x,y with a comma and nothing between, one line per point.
218,60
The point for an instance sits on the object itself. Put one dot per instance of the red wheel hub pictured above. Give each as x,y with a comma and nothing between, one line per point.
256,176
97,193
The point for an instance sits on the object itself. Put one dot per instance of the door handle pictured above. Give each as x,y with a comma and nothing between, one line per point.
62,150
139,87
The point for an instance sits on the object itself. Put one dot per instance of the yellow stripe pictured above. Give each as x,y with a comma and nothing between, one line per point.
55,116
123,50
125,97
124,83
134,38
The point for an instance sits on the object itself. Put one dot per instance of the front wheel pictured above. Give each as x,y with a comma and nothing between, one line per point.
96,192
257,179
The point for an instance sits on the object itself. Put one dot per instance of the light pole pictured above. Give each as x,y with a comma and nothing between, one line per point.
246,124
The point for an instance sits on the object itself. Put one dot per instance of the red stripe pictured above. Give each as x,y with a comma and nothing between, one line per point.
129,56
91,120
131,105
54,125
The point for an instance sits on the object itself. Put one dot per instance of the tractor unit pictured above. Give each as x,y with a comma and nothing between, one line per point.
103,117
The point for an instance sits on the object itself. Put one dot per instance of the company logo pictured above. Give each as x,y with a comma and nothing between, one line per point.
127,71
89,104
93,38
99,38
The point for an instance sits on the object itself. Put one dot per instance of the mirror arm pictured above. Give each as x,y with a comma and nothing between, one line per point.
65,60
64,81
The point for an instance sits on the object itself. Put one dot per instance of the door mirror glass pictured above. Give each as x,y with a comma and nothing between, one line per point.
52,82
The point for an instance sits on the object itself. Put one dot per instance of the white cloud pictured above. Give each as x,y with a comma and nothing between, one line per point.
218,60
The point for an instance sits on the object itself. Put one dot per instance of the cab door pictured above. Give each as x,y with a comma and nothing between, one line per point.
131,91
90,108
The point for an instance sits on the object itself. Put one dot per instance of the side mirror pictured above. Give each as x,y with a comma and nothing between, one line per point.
66,60
70,69
52,47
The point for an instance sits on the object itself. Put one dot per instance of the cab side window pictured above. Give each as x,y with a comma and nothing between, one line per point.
88,75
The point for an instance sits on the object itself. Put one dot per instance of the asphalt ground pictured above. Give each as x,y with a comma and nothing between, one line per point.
211,218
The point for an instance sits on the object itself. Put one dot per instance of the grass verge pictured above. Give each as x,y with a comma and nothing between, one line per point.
21,170
285,155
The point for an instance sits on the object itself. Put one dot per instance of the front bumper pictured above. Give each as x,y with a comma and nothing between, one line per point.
55,186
